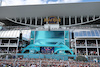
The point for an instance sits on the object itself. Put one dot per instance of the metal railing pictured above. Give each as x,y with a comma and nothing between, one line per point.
80,45
8,44
91,44
81,53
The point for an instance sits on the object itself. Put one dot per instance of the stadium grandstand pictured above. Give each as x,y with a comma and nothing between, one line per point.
50,32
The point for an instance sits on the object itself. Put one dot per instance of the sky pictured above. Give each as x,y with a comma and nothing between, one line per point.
35,2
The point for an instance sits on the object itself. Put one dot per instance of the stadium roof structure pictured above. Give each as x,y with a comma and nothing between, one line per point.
66,9
15,34
1,24
95,33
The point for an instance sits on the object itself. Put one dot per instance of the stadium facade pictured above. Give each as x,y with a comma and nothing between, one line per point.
59,31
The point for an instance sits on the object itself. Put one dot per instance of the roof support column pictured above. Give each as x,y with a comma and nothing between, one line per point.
81,19
25,20
94,17
69,20
30,21
75,19
35,20
20,20
87,18
41,21
63,20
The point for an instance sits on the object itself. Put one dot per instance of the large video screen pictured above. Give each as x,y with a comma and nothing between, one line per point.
49,34
49,37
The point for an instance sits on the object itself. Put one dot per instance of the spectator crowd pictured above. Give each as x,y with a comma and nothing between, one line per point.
81,52
90,52
89,43
80,43
22,62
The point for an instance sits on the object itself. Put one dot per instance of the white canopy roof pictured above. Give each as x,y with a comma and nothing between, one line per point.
1,24
15,34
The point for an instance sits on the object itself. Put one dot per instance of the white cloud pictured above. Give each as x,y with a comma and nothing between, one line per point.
71,1
52,2
64,1
3,3
35,2
28,2
12,2
22,2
